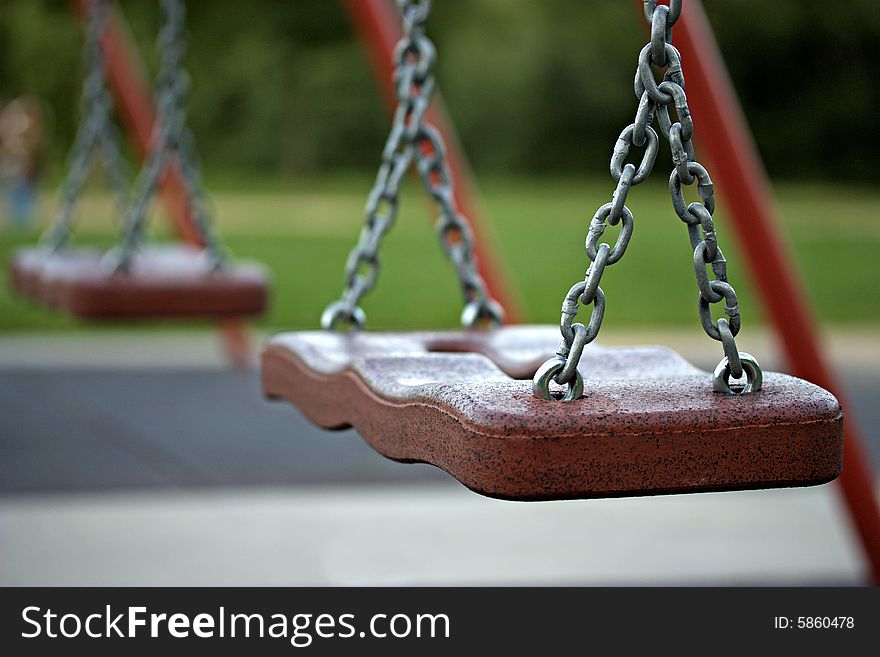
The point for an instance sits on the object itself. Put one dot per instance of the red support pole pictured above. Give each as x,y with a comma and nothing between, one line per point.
131,89
378,25
736,166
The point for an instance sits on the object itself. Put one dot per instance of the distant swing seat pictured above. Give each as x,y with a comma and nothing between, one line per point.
159,280
163,281
649,422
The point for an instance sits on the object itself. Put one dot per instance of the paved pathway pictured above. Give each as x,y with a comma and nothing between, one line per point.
142,459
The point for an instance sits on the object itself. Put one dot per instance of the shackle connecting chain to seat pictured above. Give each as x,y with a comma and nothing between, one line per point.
654,102
170,142
412,139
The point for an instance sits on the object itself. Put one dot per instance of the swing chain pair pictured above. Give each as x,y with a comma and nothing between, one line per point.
412,140
96,137
171,144
654,102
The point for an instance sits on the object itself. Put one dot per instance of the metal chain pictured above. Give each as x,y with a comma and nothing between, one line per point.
412,139
171,143
654,102
96,135
697,215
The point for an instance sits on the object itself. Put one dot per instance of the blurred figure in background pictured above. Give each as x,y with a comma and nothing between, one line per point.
21,134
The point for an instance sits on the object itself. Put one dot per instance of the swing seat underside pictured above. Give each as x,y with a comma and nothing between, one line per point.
163,281
648,423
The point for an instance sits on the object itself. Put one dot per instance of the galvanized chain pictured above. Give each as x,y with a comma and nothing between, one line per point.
199,201
412,139
654,102
661,54
171,143
96,136
562,368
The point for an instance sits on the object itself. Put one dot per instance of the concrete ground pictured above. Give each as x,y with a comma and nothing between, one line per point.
140,458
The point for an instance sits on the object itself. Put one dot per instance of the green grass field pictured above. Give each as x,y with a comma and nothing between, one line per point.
303,231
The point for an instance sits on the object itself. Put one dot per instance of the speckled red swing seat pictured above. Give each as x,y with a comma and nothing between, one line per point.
649,422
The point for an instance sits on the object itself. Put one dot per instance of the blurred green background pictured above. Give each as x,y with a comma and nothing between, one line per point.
290,124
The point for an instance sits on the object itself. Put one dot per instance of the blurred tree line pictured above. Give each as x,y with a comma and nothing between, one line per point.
534,86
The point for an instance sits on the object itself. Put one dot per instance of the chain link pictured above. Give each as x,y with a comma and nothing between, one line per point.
171,144
97,135
655,101
412,140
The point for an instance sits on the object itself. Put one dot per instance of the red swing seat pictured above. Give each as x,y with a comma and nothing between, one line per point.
648,423
163,281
